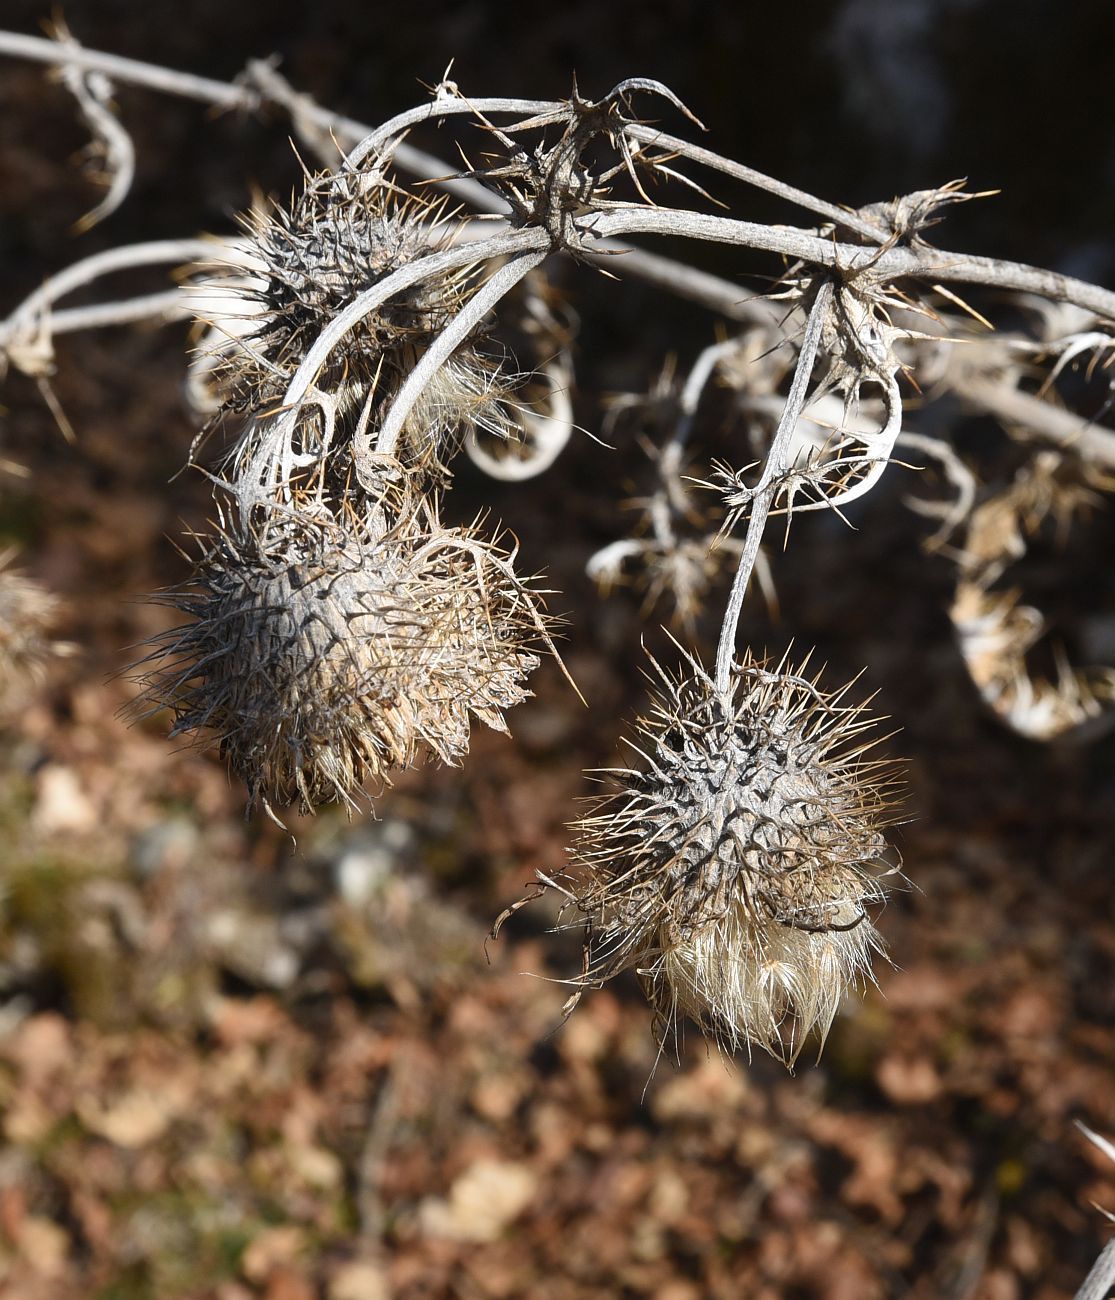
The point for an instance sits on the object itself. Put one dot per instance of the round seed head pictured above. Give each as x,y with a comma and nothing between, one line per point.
341,236
323,657
734,865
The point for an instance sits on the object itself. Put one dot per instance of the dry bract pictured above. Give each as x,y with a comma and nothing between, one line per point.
733,867
324,653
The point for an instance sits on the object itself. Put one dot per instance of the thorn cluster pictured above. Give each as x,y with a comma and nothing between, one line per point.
324,656
734,866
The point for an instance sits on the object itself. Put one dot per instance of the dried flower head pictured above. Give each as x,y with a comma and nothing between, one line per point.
734,866
324,653
28,613
343,235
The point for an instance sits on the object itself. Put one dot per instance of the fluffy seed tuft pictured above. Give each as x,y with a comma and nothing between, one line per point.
733,867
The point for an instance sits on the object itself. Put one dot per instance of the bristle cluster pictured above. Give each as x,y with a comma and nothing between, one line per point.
341,237
325,656
336,631
734,866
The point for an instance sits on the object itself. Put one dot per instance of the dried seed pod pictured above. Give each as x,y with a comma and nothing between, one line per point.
323,656
343,235
733,867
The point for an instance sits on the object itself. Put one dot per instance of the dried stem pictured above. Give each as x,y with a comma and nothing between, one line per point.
249,96
1097,1285
774,472
853,259
222,93
265,468
158,252
383,141
892,263
839,215
497,285
168,304
422,268
1030,416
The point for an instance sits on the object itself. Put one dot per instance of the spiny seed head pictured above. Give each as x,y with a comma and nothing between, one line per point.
323,656
734,865
344,234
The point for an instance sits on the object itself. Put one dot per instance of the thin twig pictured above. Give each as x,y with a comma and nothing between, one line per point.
222,93
1031,417
157,252
167,305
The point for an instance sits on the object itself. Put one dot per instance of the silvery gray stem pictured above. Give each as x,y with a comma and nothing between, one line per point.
471,314
773,472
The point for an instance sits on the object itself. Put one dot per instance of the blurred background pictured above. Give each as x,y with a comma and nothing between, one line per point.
237,1064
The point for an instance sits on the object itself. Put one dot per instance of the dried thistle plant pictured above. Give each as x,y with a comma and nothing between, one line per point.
337,631
734,865
325,652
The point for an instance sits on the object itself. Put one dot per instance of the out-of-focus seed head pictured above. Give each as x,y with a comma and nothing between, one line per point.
323,656
344,234
28,613
734,865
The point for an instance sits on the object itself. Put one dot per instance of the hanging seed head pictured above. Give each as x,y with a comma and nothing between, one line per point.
324,656
734,866
343,235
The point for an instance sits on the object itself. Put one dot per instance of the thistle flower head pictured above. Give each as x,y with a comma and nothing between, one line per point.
733,867
323,656
342,235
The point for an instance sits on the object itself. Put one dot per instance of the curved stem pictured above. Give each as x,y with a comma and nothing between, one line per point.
773,472
446,343
159,251
273,449
422,268
379,141
880,447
